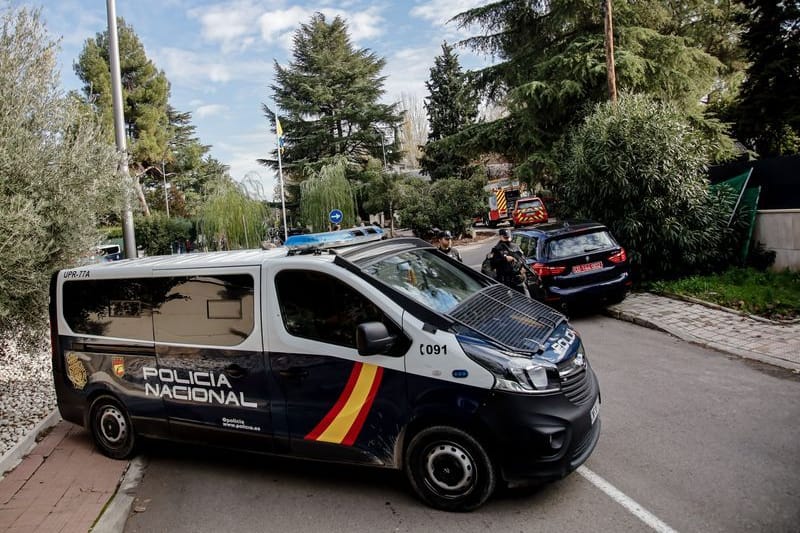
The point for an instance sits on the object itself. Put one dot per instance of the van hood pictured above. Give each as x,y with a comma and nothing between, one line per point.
506,317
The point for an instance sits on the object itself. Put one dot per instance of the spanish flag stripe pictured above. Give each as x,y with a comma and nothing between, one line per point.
337,407
338,428
355,429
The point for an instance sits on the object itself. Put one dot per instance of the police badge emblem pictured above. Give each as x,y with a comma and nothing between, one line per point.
75,370
118,365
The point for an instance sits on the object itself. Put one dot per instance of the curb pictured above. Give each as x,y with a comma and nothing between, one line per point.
718,307
744,354
14,456
115,514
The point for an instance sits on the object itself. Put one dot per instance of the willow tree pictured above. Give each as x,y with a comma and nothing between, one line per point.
231,220
324,191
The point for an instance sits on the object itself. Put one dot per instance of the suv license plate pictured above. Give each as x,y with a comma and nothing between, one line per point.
595,411
587,267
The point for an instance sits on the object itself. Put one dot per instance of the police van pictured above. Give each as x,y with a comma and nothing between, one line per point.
384,353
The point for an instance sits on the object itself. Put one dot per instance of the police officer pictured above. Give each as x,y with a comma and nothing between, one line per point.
506,259
446,246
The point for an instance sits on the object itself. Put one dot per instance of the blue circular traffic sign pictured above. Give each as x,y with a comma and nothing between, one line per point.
335,216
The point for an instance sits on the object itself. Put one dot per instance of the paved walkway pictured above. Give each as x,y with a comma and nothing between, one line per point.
724,330
64,484
61,486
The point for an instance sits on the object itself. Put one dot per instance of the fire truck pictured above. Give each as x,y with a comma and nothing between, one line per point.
502,195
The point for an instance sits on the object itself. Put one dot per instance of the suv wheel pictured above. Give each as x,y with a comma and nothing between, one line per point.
449,469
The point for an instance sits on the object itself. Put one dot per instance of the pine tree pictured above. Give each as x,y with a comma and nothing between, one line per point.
768,114
451,105
327,97
552,69
145,93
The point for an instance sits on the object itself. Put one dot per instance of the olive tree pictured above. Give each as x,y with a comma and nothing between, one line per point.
56,171
640,169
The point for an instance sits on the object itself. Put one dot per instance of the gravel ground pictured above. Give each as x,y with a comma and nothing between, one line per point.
26,389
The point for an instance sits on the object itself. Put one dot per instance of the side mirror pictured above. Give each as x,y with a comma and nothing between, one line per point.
373,338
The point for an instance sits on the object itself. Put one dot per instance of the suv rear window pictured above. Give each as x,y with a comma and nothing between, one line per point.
528,205
571,245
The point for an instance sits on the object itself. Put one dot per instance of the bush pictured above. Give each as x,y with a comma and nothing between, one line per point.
640,169
159,235
447,204
56,172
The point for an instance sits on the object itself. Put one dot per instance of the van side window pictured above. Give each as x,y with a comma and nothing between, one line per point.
109,308
320,307
205,310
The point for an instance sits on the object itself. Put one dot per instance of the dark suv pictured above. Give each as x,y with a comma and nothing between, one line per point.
573,261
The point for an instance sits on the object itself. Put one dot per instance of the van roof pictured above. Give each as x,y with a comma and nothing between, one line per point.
192,260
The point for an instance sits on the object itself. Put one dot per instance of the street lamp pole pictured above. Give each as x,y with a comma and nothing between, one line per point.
166,195
128,236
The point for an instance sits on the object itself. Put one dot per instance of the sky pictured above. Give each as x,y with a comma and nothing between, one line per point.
219,55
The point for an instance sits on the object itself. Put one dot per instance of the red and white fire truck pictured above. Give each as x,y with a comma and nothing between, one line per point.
502,195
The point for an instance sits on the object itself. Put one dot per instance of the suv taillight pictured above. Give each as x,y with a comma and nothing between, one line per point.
618,257
543,270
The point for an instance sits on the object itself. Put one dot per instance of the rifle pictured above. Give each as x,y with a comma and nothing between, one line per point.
521,263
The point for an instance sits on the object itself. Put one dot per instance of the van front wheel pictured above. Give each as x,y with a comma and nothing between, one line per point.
449,469
111,427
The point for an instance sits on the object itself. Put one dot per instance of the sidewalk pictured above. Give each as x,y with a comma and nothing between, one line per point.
65,485
714,327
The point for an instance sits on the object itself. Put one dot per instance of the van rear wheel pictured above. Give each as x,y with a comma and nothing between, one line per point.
111,428
449,469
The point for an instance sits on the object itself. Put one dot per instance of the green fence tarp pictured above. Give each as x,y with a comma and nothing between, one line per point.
746,204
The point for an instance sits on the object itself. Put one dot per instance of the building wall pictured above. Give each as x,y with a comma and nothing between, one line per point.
779,230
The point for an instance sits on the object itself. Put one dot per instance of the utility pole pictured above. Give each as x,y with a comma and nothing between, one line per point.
128,236
609,40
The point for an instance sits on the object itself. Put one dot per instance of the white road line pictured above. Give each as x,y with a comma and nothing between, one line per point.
618,496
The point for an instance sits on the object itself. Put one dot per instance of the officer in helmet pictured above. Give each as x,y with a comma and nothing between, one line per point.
446,246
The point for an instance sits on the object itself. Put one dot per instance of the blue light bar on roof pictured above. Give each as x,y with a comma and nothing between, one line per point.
334,239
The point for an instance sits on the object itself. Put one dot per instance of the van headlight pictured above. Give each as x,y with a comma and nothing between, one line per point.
512,372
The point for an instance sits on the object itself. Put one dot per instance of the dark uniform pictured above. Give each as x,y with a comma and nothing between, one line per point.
445,246
509,272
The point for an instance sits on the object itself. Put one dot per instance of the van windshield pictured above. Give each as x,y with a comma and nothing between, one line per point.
426,277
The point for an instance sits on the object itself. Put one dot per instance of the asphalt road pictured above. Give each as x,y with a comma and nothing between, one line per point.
692,440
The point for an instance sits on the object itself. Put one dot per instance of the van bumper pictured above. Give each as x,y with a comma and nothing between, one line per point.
541,438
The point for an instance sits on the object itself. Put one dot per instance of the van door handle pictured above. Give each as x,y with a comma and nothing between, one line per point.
235,371
294,372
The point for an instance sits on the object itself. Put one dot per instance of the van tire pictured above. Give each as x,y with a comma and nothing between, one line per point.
449,469
111,427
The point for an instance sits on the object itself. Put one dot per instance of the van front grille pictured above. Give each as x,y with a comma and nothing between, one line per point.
508,317
577,387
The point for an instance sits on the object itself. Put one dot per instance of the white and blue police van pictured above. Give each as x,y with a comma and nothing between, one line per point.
384,353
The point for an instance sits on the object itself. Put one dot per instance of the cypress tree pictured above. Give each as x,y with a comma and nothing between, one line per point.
451,104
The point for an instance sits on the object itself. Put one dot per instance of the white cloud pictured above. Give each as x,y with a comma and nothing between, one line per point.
192,68
228,23
440,11
279,24
210,110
